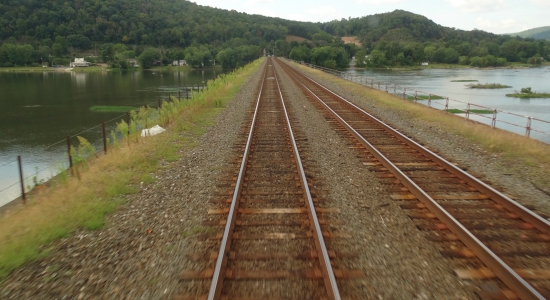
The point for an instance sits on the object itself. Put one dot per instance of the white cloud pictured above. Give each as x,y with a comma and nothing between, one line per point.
264,11
324,12
477,5
544,3
500,26
378,2
254,2
295,17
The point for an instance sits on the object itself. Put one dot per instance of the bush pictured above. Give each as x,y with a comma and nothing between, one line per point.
526,90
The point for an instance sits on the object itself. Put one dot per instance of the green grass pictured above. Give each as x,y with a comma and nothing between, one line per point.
488,86
91,69
464,80
475,111
112,108
424,97
55,212
30,69
529,95
197,230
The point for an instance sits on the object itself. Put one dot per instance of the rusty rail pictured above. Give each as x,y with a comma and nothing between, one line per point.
511,278
222,259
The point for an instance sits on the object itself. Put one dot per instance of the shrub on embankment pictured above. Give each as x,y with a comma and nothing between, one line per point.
72,203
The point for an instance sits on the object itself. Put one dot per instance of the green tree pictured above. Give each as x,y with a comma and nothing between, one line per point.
360,60
107,52
301,53
377,59
148,57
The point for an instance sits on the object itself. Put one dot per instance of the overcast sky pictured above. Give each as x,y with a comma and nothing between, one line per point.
497,16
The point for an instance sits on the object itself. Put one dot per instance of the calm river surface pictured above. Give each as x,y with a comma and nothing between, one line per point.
438,82
40,109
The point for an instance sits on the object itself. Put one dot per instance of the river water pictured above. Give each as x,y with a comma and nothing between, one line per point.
439,82
40,109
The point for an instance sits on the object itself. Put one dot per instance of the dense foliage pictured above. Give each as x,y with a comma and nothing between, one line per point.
539,33
55,31
402,38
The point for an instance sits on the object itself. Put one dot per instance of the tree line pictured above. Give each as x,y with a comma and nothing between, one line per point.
55,31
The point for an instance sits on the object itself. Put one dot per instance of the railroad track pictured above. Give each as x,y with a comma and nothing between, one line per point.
272,245
490,236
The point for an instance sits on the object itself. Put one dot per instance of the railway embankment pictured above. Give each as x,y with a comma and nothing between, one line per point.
156,230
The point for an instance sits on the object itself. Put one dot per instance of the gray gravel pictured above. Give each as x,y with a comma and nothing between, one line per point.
147,242
393,254
502,173
144,247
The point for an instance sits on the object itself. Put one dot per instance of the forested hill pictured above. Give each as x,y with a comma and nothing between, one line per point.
137,22
539,33
400,26
55,31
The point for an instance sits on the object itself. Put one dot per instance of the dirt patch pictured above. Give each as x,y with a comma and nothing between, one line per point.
351,40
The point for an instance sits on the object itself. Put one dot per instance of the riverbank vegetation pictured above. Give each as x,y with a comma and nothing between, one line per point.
474,111
488,86
159,32
425,97
72,203
112,108
527,93
464,80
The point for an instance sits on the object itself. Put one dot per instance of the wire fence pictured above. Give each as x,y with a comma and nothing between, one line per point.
494,117
99,138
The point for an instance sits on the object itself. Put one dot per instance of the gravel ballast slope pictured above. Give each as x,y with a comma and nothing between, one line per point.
144,248
501,172
142,251
395,257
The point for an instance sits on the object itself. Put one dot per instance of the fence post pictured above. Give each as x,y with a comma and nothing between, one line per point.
179,95
494,121
468,112
21,179
128,121
386,87
394,88
372,83
104,138
70,156
415,96
447,104
404,93
528,127
159,104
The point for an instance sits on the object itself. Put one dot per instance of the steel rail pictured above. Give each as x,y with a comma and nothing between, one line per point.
523,289
324,260
539,222
329,278
221,262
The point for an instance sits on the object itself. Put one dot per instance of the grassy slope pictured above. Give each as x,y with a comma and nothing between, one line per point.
71,204
527,156
537,33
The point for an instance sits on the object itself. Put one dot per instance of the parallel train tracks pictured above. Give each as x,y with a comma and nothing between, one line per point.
272,241
471,220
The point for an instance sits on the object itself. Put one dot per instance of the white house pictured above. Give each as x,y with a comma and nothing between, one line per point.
180,63
79,62
425,63
133,63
